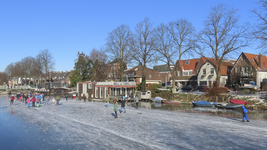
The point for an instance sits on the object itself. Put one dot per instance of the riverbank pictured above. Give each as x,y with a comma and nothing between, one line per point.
89,125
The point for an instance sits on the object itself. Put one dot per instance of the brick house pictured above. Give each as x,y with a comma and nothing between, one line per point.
164,73
113,69
249,68
135,74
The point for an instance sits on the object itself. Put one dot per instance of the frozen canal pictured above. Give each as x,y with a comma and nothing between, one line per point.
89,125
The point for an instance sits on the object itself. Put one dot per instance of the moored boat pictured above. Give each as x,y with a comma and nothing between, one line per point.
157,99
203,103
229,106
170,102
238,101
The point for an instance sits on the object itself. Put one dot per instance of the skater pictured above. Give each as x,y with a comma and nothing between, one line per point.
84,97
123,104
57,98
12,98
132,95
107,101
47,100
37,102
115,108
76,96
136,101
66,97
33,101
245,114
28,102
53,101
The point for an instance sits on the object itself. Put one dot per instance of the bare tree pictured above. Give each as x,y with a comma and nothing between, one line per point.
222,35
3,78
174,42
10,70
99,59
144,51
119,47
46,58
260,29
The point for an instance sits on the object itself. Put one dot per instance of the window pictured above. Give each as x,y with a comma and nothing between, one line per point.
204,71
190,73
150,76
89,85
246,70
242,58
185,73
96,92
101,92
187,62
264,68
178,73
211,70
236,69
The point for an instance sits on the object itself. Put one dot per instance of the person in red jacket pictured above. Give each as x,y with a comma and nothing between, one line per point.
33,101
12,98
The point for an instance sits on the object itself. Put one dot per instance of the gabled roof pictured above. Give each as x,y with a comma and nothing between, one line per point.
224,66
254,60
137,68
189,64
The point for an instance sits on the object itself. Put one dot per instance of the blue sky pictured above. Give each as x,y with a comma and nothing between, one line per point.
65,27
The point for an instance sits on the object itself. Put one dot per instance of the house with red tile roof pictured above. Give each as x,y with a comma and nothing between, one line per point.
191,72
249,68
187,72
208,72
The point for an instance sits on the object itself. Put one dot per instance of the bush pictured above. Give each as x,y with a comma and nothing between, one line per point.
216,91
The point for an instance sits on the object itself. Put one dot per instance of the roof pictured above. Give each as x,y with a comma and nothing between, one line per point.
136,69
162,68
254,60
189,64
224,66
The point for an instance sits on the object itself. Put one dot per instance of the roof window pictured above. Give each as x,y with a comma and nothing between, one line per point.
187,62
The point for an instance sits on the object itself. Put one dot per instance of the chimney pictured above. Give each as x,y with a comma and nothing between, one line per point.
260,61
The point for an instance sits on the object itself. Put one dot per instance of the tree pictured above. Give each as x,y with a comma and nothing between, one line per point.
46,59
119,46
99,70
260,29
3,78
173,42
82,69
222,35
143,50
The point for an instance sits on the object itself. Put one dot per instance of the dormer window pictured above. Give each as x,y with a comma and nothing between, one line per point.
187,62
256,56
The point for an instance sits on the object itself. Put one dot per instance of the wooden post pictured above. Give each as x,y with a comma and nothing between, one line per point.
216,98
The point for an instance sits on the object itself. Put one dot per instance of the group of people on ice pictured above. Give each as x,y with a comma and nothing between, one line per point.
34,99
132,95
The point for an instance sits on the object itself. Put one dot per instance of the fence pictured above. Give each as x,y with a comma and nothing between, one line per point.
4,87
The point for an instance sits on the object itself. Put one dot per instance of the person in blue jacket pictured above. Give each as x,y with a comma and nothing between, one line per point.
245,114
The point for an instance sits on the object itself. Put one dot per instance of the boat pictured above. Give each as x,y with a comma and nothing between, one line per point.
228,106
157,99
202,103
170,102
238,101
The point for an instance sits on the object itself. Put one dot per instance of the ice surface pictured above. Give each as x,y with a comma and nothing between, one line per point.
89,125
